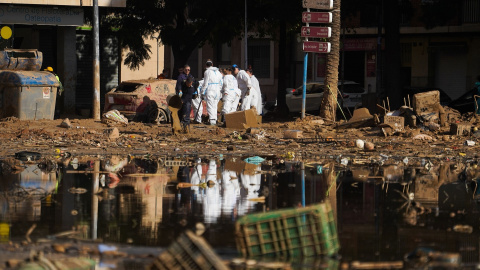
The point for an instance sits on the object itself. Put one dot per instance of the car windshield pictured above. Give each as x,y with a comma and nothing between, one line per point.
311,89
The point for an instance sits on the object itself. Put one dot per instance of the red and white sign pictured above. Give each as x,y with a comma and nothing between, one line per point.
317,17
318,4
316,47
316,32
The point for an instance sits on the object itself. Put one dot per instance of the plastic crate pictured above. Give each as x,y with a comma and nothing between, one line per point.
308,231
189,251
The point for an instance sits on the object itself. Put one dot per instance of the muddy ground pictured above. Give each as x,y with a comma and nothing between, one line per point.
91,137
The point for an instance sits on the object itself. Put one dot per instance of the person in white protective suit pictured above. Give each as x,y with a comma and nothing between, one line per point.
231,93
212,202
257,101
245,84
212,84
230,192
251,182
197,104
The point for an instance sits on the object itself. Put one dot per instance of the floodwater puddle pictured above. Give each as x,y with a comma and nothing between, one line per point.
383,213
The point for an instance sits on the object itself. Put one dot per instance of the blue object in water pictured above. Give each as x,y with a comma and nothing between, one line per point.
254,160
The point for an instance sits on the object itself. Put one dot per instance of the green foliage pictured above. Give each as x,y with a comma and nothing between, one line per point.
183,24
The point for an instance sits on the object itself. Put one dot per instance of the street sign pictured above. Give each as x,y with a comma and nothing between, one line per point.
316,32
318,4
316,47
317,17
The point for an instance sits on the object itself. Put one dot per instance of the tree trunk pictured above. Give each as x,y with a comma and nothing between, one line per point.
329,100
282,70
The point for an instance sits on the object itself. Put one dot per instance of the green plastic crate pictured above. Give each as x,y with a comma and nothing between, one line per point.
308,231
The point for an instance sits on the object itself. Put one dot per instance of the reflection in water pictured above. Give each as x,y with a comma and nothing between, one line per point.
383,212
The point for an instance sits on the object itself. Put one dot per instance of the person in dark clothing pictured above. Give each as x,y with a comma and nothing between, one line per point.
188,90
182,78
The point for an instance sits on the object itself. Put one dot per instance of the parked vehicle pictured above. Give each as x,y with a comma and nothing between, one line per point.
351,97
142,100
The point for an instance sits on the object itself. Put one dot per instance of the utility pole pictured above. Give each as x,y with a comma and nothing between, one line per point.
246,38
96,63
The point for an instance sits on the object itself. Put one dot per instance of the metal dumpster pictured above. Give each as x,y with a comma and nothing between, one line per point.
21,59
28,95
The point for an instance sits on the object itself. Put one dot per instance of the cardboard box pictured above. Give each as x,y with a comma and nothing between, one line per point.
240,166
242,120
293,134
397,122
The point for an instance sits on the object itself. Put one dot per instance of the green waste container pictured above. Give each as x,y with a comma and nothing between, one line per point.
309,231
28,95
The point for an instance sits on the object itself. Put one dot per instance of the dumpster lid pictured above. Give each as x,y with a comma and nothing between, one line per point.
31,78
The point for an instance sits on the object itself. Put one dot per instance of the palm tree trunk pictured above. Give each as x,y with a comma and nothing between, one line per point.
329,101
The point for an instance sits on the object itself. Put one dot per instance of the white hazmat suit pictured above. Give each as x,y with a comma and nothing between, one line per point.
258,95
212,84
244,83
231,94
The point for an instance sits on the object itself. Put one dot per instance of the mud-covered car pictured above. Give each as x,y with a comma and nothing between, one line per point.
142,100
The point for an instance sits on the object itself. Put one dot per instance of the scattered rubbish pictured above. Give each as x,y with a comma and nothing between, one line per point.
344,161
289,155
39,261
28,156
309,231
427,258
361,118
66,123
469,143
189,251
360,143
258,199
423,137
113,133
460,129
114,117
316,140
396,122
292,134
433,126
189,185
405,160
254,160
74,163
463,228
319,169
369,146
75,190
376,265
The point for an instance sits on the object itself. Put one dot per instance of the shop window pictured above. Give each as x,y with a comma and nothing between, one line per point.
259,57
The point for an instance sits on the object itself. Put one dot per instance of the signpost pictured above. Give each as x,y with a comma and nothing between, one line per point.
318,4
316,47
317,17
316,32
